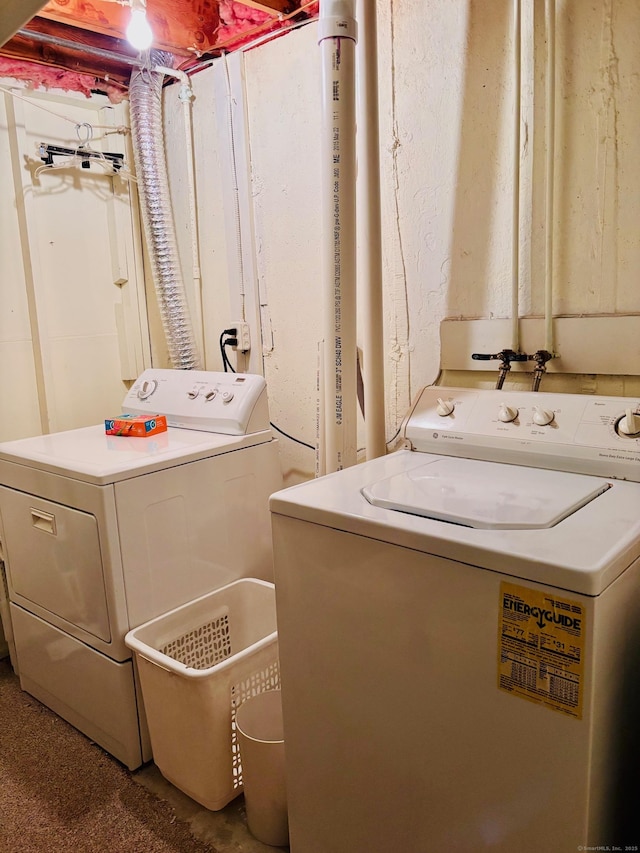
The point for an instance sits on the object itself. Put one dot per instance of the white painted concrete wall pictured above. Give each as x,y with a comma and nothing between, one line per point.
446,115
211,242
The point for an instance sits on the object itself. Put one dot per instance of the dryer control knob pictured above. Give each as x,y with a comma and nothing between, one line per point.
193,393
629,424
444,407
506,413
147,388
542,417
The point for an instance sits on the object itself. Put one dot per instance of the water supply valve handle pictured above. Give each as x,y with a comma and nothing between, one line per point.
541,357
506,355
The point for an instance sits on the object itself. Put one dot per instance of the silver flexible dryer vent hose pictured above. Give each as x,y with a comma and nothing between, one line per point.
145,97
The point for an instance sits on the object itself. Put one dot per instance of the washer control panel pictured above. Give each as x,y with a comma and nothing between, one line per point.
571,432
228,403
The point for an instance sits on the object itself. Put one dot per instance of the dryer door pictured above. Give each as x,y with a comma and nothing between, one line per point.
53,560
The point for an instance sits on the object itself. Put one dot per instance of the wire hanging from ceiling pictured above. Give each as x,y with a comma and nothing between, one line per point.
108,128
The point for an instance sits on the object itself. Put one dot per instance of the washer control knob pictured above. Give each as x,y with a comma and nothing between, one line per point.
210,394
147,388
542,417
227,396
193,393
507,413
444,407
629,423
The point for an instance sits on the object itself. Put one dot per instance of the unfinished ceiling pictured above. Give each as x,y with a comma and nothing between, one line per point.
88,36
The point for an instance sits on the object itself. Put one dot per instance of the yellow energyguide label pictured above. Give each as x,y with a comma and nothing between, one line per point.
541,648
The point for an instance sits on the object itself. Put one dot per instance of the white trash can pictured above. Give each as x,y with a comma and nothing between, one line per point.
261,741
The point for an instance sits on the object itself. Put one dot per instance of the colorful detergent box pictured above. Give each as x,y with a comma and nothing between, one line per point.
136,425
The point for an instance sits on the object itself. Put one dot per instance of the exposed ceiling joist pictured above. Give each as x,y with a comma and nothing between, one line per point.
183,27
88,36
271,7
72,49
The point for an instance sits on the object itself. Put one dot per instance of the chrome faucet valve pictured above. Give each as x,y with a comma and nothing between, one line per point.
541,357
505,356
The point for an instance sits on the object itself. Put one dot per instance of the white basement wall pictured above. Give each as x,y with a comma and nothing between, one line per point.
446,112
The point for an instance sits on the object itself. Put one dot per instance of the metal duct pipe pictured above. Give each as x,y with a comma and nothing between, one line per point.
77,47
145,96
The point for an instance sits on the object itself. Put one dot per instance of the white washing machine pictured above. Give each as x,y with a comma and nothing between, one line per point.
101,533
459,633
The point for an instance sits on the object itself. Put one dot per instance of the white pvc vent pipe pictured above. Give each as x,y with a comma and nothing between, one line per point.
517,118
550,141
337,39
370,229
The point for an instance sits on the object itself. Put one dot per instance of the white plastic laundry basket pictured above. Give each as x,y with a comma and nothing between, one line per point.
197,664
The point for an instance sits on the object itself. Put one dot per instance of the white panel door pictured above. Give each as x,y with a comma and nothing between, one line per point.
71,265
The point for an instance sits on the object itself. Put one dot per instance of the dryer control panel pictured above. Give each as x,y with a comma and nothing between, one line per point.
227,403
567,432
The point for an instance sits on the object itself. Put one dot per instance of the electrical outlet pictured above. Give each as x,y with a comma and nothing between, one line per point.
243,335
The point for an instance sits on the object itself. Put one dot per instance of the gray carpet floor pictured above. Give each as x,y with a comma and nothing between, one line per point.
61,793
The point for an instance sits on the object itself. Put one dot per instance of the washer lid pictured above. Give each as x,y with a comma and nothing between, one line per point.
486,494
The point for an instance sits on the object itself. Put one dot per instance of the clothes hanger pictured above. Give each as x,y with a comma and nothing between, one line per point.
83,156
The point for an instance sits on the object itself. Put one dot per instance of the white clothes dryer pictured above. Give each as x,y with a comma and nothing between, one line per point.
101,533
459,632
